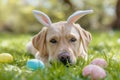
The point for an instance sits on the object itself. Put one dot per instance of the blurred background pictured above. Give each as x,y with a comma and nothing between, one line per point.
16,15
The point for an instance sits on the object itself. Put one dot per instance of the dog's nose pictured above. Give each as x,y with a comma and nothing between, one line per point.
64,58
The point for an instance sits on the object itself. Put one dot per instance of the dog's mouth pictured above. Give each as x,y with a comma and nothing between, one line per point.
64,62
63,58
67,64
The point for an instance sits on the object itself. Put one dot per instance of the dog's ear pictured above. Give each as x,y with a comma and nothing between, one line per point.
85,38
42,18
39,42
78,14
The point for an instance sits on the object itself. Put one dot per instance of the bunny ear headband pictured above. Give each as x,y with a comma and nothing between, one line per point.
45,20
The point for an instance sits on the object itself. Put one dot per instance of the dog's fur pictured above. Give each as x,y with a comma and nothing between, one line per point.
60,37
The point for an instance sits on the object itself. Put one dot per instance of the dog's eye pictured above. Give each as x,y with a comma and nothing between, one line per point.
53,41
72,40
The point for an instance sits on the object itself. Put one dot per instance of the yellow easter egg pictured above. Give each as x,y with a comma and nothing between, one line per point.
6,58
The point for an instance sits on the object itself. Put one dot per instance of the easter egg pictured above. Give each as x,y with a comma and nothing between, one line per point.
95,72
100,62
35,64
6,58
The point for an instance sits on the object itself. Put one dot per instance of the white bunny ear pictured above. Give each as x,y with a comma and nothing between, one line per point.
42,18
78,14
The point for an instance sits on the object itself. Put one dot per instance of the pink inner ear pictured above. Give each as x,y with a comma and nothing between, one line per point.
74,19
45,19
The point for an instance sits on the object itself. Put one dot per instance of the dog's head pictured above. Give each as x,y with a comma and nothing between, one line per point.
62,41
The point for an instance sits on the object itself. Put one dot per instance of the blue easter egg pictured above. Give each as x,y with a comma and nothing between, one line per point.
35,64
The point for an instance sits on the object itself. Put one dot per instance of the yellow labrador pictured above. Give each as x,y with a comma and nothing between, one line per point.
62,41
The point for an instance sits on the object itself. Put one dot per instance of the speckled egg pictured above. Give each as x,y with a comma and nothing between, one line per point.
6,58
35,64
100,62
94,71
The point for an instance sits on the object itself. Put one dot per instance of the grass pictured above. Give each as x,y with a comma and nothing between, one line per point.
104,45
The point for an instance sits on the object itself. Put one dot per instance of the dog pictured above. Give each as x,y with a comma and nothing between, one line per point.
63,41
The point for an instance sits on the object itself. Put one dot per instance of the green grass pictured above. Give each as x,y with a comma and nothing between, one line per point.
104,45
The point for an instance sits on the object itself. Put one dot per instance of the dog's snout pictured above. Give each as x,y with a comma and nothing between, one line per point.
64,58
